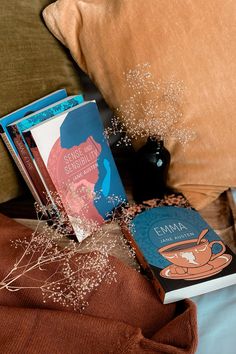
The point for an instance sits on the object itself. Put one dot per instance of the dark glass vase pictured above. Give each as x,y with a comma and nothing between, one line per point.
150,168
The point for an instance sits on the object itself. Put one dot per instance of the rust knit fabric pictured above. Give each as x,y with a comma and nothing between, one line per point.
125,316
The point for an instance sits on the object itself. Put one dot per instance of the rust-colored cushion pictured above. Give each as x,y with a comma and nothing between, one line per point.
189,41
32,65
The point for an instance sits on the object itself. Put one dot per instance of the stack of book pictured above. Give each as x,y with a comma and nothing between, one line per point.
58,144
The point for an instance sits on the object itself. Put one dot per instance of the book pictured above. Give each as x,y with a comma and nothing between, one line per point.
19,113
178,250
79,161
16,128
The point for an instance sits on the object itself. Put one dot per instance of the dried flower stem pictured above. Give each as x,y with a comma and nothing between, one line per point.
66,270
153,109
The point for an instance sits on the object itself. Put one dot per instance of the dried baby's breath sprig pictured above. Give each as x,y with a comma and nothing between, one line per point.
64,270
153,109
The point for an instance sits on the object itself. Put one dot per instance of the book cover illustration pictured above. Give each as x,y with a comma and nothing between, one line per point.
80,164
193,259
181,250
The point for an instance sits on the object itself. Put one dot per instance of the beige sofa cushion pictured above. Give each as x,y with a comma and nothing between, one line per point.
192,41
32,64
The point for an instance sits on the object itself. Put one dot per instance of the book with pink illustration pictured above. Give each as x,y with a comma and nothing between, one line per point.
73,149
178,250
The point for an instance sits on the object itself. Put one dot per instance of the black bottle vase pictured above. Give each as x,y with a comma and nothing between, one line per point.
150,168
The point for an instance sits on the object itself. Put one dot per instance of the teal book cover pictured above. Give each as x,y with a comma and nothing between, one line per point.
33,118
28,109
183,255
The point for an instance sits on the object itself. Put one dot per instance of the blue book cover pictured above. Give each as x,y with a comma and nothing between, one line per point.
18,127
80,163
32,107
53,110
182,254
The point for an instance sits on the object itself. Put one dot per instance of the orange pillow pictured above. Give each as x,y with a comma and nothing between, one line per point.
186,41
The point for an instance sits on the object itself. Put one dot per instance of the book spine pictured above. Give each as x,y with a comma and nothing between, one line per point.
142,261
21,168
50,185
28,163
39,162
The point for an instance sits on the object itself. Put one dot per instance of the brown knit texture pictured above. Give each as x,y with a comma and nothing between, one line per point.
123,317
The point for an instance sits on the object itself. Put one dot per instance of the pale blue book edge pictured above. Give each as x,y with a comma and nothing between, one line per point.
32,121
40,117
34,106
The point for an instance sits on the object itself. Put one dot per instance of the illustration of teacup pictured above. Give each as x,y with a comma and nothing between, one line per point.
190,253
